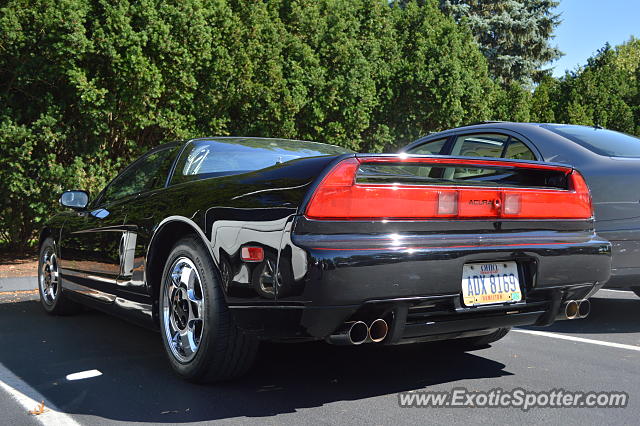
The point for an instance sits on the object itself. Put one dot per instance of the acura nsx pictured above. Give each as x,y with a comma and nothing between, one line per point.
222,242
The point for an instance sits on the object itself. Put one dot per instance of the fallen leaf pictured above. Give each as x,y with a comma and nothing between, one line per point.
38,410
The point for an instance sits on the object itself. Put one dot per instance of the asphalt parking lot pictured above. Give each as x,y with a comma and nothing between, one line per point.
309,383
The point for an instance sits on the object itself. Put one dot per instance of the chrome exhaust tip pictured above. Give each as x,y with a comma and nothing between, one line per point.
350,333
358,333
571,309
378,330
584,308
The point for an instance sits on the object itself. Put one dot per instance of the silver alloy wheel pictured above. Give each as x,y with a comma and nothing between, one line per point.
48,276
183,309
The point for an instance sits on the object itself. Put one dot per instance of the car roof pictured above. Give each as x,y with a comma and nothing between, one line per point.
549,145
506,125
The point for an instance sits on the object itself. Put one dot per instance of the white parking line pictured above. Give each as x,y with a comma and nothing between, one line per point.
30,398
578,339
615,291
84,375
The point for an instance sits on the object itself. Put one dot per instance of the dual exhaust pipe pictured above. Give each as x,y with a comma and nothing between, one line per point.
358,332
575,309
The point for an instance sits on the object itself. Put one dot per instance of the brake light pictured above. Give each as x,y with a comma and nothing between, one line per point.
340,197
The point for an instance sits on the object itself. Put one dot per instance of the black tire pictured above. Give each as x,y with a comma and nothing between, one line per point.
636,290
54,302
224,352
477,342
226,273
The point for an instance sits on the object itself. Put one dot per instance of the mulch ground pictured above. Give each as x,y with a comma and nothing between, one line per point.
12,265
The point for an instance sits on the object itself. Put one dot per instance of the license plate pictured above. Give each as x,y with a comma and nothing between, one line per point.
489,283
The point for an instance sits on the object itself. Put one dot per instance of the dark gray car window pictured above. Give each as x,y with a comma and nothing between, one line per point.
517,150
480,145
600,141
147,173
491,145
429,148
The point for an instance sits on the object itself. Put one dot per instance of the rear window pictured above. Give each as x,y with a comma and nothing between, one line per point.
416,174
220,157
600,141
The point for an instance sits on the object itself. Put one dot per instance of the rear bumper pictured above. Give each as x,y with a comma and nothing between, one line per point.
343,276
410,320
413,280
442,317
385,275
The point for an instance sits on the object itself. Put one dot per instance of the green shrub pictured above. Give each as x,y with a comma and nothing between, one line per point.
86,85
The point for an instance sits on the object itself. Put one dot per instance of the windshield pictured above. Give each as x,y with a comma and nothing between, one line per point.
600,141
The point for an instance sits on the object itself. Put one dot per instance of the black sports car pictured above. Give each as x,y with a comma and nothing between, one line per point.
608,160
221,242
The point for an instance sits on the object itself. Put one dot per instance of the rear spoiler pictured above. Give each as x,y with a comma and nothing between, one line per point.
378,187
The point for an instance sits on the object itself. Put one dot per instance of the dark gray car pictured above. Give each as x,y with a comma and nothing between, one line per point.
609,161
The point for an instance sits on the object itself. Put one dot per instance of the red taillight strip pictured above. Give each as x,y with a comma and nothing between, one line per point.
338,197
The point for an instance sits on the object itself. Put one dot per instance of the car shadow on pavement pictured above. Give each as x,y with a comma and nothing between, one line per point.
137,385
608,315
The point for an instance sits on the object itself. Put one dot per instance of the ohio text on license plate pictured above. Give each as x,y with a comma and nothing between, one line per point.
487,283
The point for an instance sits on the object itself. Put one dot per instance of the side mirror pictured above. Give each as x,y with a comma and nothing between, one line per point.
75,199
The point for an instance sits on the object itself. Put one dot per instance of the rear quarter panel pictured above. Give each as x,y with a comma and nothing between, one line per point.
235,211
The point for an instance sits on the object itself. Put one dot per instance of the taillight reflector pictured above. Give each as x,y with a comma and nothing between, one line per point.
252,254
339,197
447,203
511,204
